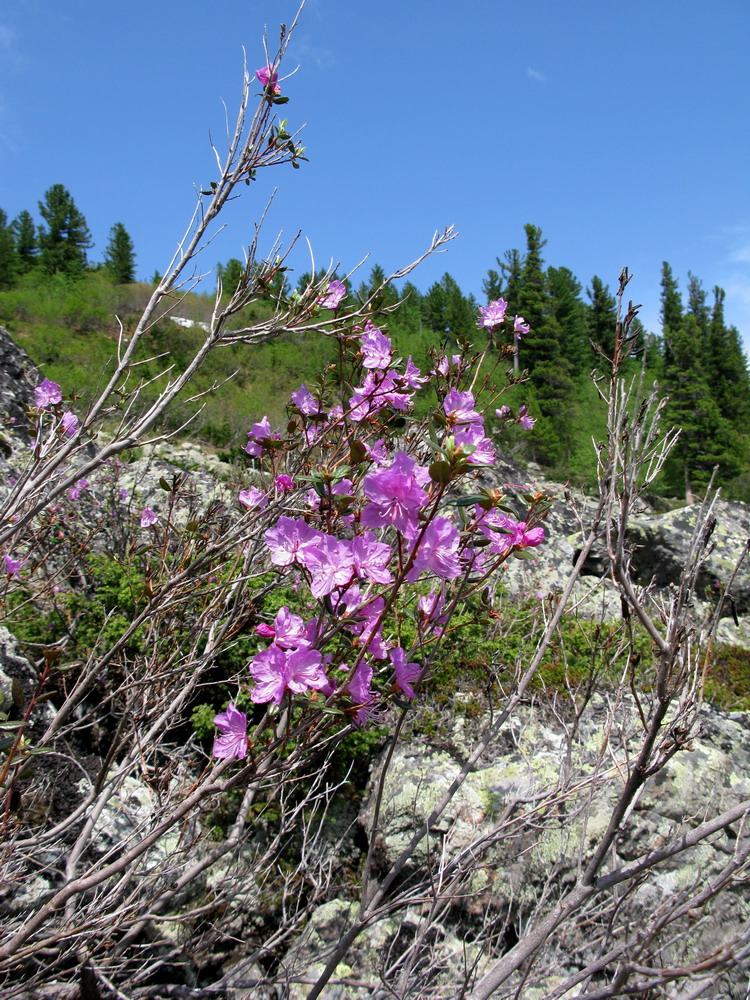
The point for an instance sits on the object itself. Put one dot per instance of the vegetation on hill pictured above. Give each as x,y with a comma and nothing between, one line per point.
69,314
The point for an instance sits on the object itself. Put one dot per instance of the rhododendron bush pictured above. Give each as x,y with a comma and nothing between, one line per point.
204,664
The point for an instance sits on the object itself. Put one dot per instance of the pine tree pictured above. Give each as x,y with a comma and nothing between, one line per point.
447,310
27,246
697,303
671,310
119,257
8,254
66,237
230,274
726,367
602,316
706,439
568,313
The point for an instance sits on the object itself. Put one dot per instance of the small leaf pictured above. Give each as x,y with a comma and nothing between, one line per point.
165,485
440,472
16,691
523,554
470,500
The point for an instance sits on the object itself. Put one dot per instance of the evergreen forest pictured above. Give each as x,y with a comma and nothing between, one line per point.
66,310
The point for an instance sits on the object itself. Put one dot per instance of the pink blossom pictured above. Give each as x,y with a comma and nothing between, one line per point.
396,496
283,483
289,630
438,551
478,448
520,327
69,423
259,432
232,726
47,393
441,368
265,630
505,532
503,413
379,389
289,540
459,408
377,452
13,566
406,673
148,517
335,292
277,671
376,347
412,375
330,563
525,420
123,493
430,607
268,76
305,402
253,498
371,558
492,314
361,693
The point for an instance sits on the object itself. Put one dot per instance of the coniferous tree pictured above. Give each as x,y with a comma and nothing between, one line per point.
671,310
602,316
387,297
696,304
231,274
706,438
447,310
726,367
568,313
25,236
65,238
119,257
8,253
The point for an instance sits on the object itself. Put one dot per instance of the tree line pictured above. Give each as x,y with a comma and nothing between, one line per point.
59,243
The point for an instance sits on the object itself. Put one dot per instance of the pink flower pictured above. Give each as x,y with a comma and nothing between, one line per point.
123,493
290,540
335,292
459,408
277,671
376,347
492,314
503,413
268,76
406,673
430,608
520,327
330,563
47,393
438,551
148,517
412,376
256,435
232,725
305,402
290,631
69,423
253,498
371,558
478,448
265,630
525,420
13,566
396,495
283,483
361,693
379,389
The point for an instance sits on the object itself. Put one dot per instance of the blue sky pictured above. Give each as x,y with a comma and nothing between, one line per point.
620,129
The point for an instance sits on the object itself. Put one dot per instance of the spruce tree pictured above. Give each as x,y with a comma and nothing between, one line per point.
65,238
706,439
671,310
25,236
602,316
119,257
8,253
568,313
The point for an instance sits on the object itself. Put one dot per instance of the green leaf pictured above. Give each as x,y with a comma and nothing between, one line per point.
440,472
523,554
165,485
469,501
357,452
16,691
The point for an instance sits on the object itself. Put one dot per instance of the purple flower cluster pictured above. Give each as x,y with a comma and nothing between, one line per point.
370,526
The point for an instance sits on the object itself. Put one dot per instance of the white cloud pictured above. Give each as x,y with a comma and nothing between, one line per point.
534,74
